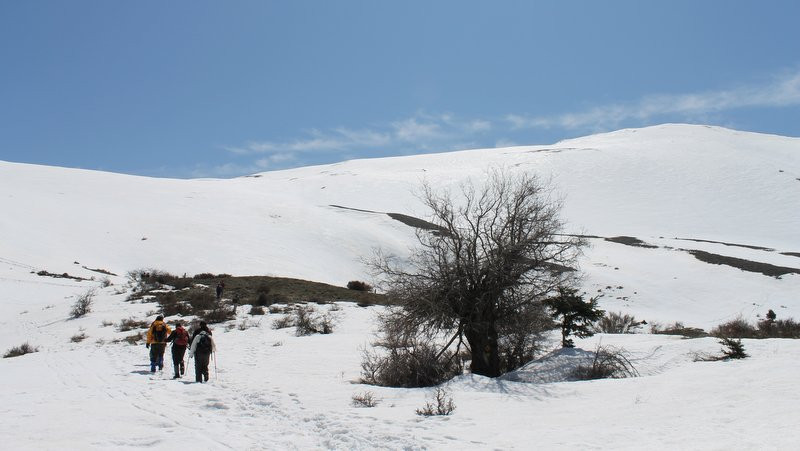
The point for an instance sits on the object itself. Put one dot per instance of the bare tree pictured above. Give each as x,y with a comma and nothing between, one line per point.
497,252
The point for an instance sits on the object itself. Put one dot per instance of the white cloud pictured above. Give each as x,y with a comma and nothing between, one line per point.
779,92
421,131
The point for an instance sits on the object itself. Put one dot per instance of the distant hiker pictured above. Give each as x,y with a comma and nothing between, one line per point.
180,340
157,342
220,287
202,348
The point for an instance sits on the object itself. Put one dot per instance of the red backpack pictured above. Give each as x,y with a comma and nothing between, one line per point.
181,337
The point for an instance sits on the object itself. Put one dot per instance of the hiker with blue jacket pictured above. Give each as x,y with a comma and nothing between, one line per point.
202,348
157,342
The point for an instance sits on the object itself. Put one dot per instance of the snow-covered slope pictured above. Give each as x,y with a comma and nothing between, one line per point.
677,188
655,184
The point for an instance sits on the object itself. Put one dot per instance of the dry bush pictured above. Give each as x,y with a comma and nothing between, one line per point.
441,404
308,321
78,337
171,305
132,339
608,363
522,336
678,328
106,323
219,314
618,323
737,328
129,324
365,399
24,348
283,322
257,310
782,328
83,305
415,364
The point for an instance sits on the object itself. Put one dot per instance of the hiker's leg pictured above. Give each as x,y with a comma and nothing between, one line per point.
198,369
153,357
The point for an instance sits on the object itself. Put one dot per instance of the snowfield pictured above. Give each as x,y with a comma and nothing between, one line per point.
677,188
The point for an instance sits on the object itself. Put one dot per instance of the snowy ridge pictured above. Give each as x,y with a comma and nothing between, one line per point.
676,188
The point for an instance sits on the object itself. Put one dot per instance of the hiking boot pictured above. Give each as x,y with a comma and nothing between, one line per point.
176,376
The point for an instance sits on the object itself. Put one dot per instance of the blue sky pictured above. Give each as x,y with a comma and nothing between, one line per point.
221,89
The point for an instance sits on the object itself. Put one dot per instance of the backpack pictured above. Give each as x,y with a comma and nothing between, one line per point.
203,344
160,333
181,337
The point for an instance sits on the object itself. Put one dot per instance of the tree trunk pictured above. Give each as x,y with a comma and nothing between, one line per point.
482,338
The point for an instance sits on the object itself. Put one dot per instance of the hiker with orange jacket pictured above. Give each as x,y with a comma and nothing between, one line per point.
157,342
180,340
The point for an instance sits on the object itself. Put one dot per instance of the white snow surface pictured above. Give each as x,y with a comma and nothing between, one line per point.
666,185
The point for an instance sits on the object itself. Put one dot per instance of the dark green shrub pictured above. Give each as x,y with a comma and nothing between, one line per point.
357,285
576,315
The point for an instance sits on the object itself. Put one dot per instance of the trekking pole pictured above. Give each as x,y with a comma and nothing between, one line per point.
216,376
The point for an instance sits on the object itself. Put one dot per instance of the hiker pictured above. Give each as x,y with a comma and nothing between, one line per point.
202,348
180,340
220,287
157,342
201,327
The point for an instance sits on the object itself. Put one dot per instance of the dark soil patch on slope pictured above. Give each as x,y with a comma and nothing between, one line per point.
746,246
631,241
745,265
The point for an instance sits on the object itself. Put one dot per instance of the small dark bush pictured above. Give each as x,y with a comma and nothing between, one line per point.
218,315
365,399
257,310
24,348
441,404
608,363
172,304
83,305
679,329
78,337
201,300
357,285
129,324
309,322
133,339
262,300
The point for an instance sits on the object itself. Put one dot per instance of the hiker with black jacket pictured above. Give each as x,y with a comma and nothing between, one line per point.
202,348
157,342
180,340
